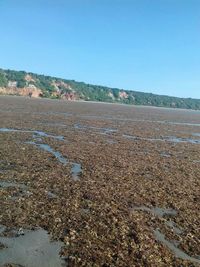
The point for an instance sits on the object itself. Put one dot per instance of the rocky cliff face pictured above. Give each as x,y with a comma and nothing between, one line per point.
60,90
26,91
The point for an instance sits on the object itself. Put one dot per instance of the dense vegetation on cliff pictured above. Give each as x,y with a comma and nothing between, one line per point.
22,83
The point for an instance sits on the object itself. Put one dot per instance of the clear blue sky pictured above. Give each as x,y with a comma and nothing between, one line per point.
145,45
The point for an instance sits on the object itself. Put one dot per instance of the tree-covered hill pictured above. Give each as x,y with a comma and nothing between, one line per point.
26,83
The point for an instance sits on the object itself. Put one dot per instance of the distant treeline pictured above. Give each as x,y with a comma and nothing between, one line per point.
53,87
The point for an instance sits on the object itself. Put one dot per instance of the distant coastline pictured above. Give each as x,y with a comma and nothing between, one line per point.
22,83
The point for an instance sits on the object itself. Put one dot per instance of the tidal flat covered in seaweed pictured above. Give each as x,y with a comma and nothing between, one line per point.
94,184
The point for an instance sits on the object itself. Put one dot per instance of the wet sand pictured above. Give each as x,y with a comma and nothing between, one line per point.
112,185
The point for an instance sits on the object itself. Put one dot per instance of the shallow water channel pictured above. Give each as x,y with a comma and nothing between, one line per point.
38,133
76,169
171,139
177,252
101,130
161,212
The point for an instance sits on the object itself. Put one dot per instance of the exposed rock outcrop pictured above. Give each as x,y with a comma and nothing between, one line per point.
26,91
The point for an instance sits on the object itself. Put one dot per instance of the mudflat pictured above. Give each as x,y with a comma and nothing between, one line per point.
98,184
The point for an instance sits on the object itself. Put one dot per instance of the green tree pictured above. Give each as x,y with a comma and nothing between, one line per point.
3,80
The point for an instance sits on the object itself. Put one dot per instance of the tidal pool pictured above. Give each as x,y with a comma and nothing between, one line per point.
160,212
76,171
6,184
31,249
